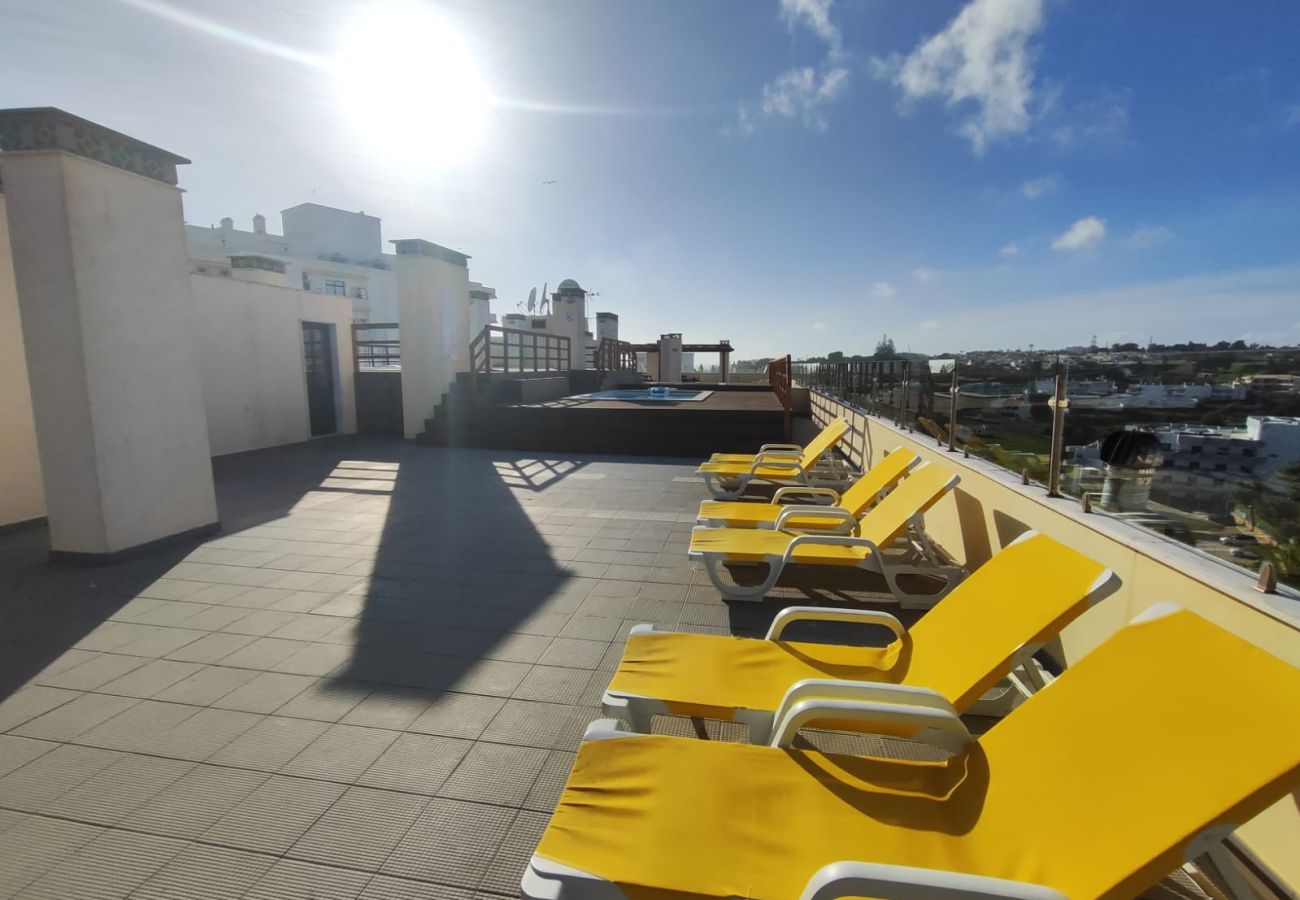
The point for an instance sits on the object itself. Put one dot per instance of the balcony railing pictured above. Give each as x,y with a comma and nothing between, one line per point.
1022,424
500,349
376,345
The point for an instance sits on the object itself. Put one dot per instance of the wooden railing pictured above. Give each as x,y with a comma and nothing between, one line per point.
615,356
500,349
375,353
779,377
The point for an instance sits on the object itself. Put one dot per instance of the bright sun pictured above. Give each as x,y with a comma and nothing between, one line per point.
410,85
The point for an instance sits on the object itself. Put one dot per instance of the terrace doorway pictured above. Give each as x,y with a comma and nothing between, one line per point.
318,358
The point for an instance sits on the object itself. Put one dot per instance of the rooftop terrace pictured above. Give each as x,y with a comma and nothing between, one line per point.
372,684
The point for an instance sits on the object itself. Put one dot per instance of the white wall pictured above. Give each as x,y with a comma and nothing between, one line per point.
250,358
426,286
21,496
103,279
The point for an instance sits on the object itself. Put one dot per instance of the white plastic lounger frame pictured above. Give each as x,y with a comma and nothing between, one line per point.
874,561
826,472
639,711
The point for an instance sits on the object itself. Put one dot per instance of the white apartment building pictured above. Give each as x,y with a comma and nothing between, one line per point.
322,249
1203,465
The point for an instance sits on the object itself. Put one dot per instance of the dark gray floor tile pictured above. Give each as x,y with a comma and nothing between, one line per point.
111,866
546,790
416,762
360,829
150,679
341,753
291,879
451,843
530,723
16,752
458,715
32,848
32,701
495,773
110,795
275,815
204,872
75,717
193,803
512,857
553,684
269,744
48,777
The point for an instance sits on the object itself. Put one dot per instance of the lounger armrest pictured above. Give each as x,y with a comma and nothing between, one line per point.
937,727
866,691
804,490
789,463
830,540
792,614
863,879
833,514
793,448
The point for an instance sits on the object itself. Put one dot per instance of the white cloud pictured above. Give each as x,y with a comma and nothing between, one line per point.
883,290
819,326
924,275
1041,187
801,94
983,57
1083,234
1152,236
1010,249
816,15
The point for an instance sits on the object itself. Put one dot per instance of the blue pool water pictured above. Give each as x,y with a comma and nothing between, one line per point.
660,394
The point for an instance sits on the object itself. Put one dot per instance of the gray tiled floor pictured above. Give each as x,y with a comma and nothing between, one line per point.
371,684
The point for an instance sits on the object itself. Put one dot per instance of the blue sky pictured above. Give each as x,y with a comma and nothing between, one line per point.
796,175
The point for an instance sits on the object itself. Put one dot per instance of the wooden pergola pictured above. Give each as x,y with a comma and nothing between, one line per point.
722,348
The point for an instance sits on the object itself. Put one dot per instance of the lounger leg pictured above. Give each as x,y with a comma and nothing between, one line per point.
713,565
719,492
908,600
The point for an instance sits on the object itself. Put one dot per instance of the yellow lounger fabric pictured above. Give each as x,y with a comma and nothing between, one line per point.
881,477
1093,787
1025,594
882,524
827,438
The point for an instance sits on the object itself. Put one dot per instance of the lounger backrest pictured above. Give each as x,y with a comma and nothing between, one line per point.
828,438
1024,595
880,477
1170,727
923,487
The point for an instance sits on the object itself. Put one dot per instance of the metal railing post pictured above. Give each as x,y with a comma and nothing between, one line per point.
953,392
1058,404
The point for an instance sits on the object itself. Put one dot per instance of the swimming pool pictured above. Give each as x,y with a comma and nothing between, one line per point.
659,394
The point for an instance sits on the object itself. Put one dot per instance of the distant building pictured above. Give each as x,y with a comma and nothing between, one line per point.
567,316
323,250
1202,465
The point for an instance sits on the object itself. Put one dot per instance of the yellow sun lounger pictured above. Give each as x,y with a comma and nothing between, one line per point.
1141,755
827,438
727,476
839,515
989,624
899,512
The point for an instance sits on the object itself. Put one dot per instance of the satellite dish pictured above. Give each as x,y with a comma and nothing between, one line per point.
545,301
532,299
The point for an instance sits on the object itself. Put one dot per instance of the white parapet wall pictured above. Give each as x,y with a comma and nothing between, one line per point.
103,284
251,360
21,496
